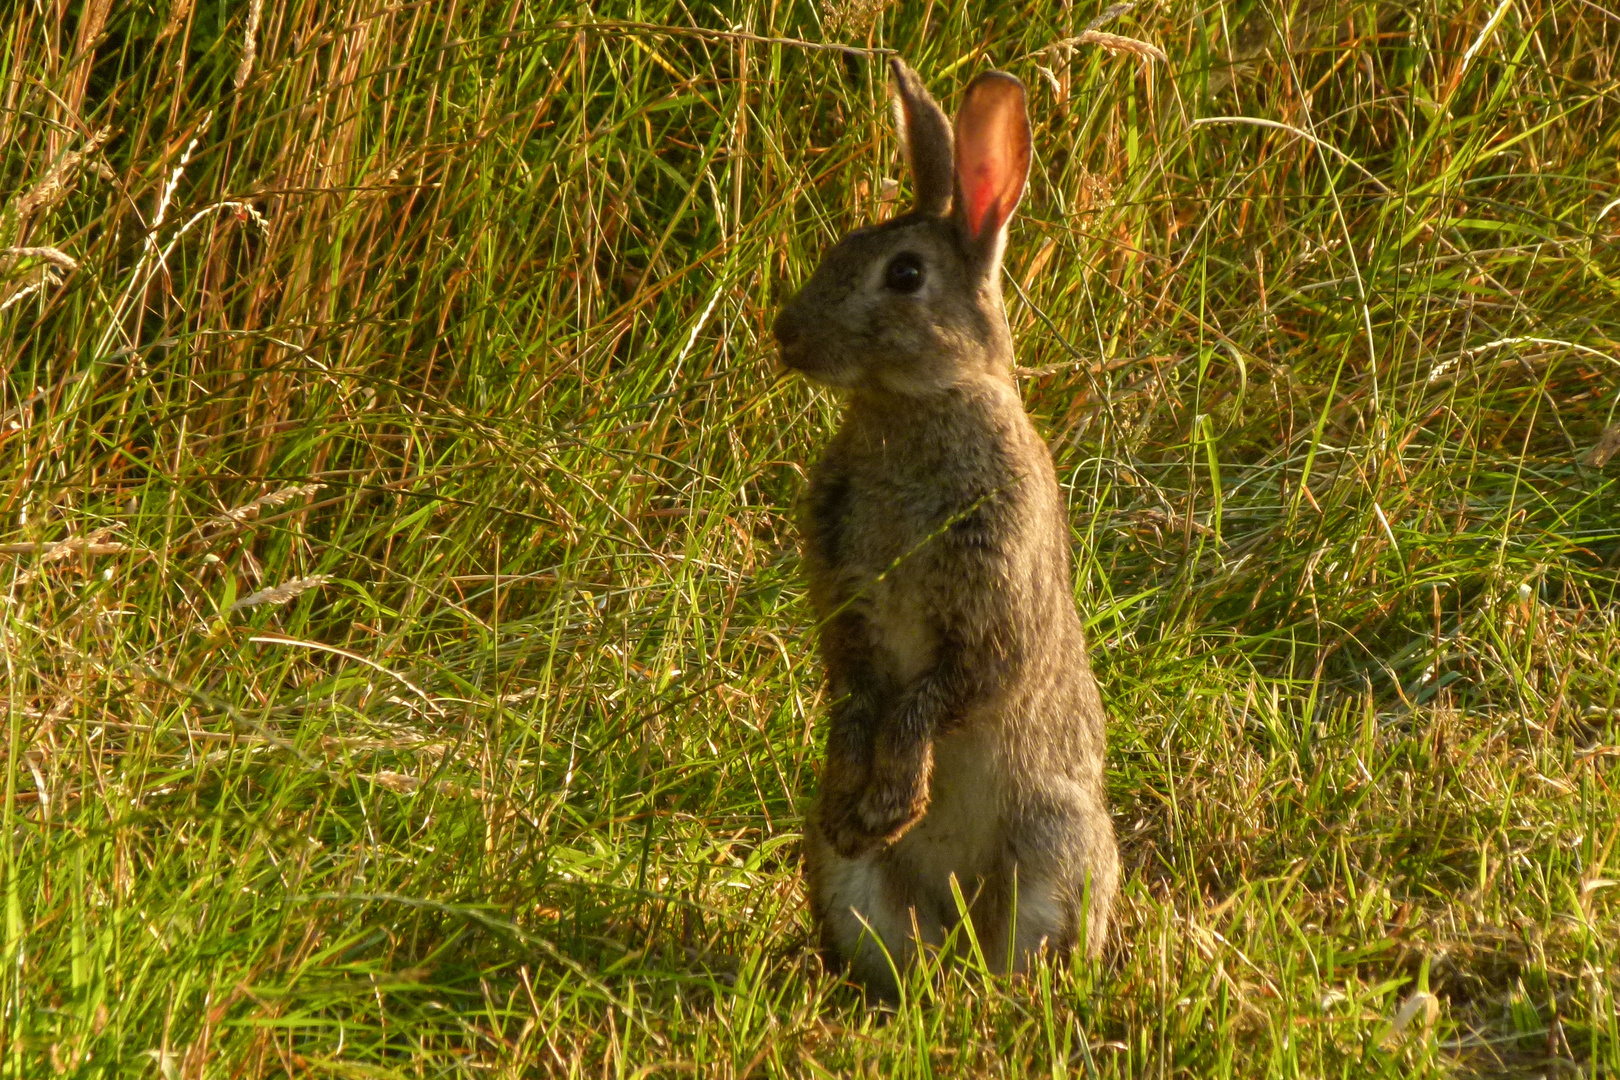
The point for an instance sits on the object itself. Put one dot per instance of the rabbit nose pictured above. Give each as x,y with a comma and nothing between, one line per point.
786,328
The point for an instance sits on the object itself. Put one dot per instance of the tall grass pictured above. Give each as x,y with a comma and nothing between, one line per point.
406,665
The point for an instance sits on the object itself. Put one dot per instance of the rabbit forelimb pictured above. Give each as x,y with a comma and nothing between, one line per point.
880,760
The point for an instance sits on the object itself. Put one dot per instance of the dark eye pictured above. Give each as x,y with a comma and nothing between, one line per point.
904,273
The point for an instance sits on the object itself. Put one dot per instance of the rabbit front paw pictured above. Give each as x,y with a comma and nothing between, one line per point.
842,827
890,806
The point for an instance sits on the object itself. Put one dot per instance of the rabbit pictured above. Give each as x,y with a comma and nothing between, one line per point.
966,734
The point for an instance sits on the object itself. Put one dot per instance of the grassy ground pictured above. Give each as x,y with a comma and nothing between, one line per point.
407,670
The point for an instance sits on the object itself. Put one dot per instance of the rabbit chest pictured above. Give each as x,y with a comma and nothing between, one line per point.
889,509
880,566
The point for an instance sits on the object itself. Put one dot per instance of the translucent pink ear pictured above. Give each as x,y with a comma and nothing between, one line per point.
992,156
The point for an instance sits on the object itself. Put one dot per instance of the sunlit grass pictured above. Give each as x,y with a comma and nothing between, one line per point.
406,664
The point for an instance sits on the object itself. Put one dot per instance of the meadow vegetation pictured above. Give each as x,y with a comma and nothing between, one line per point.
406,665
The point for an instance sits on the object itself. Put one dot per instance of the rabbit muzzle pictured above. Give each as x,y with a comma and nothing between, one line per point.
801,350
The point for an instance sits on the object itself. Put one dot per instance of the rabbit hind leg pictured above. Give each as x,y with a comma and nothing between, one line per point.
867,921
1061,900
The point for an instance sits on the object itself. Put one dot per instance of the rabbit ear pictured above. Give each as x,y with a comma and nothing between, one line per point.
926,136
992,159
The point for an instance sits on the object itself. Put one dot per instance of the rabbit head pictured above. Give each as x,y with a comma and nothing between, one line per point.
913,306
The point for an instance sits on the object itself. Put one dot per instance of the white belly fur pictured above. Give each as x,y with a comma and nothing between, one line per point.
957,836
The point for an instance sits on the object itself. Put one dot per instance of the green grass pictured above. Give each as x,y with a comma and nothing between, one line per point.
512,786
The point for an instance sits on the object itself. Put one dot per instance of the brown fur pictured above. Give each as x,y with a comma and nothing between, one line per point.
966,736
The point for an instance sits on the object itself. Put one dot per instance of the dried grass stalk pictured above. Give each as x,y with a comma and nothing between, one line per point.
174,179
855,17
95,543
1420,1006
282,593
1608,445
49,278
60,178
49,254
1119,43
250,48
179,11
248,511
1066,47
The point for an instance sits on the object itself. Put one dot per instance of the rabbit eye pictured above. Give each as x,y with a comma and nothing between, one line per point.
904,273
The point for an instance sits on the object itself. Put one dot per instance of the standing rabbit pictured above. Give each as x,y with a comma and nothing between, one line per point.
966,735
